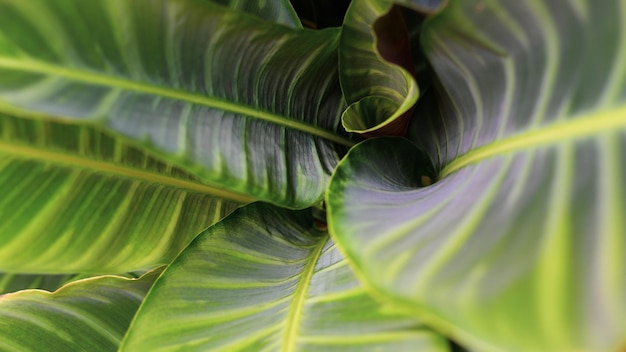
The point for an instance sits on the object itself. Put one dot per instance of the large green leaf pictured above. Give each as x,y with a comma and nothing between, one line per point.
266,279
86,315
242,103
519,245
75,199
375,69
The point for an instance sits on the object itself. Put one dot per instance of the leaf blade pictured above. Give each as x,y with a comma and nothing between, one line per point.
89,314
376,69
278,284
526,219
208,103
79,200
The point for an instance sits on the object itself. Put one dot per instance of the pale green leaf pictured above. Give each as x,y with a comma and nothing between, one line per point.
266,279
242,103
75,199
519,246
86,315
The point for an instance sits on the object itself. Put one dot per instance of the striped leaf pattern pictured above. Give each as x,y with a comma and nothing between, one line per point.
86,315
75,199
266,279
520,244
246,105
376,69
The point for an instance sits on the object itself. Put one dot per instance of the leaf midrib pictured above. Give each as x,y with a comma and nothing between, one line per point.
68,160
584,125
297,304
29,65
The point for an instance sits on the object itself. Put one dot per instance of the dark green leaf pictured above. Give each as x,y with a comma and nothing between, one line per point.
243,104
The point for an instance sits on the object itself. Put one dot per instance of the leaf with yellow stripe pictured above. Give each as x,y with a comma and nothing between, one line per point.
519,244
267,279
243,104
76,199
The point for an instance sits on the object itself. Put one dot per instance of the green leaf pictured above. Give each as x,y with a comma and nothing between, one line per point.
520,244
243,104
86,315
376,69
278,11
263,279
75,199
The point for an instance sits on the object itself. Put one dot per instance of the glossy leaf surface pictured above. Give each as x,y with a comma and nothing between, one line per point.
375,69
243,104
75,199
85,315
519,245
266,279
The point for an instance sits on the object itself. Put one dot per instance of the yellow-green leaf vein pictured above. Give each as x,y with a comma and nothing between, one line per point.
212,102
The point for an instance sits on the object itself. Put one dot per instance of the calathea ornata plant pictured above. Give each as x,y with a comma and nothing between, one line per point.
206,175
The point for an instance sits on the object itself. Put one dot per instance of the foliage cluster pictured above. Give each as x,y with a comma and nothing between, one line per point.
416,175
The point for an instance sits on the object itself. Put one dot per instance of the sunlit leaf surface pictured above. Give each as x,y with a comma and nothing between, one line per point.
75,199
